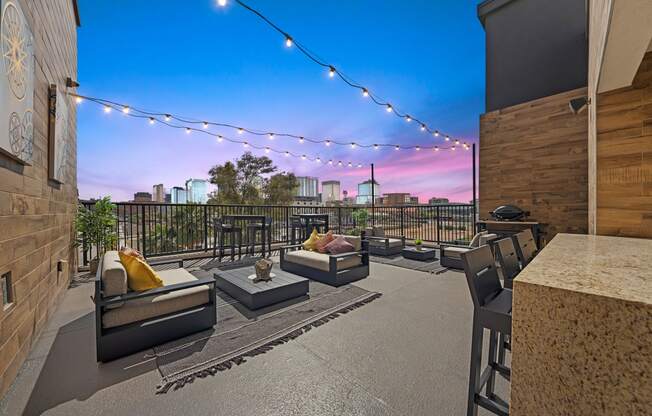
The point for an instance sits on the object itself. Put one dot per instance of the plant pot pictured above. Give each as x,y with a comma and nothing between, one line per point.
418,247
93,265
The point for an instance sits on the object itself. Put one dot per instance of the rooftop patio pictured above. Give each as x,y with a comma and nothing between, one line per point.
405,353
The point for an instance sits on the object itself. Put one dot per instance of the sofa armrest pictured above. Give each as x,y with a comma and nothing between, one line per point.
157,291
290,247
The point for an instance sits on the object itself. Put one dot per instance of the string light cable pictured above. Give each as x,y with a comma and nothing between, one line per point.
333,71
167,117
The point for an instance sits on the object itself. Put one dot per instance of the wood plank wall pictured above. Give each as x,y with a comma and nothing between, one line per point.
624,157
36,215
534,155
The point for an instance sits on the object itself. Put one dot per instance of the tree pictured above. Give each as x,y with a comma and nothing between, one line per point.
242,182
279,189
226,178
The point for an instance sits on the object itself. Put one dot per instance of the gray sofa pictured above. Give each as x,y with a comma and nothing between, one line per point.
450,254
379,245
333,269
127,322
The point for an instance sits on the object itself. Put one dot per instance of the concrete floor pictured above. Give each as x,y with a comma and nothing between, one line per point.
403,354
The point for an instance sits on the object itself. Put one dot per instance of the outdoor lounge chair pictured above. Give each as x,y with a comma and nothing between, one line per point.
127,322
333,269
379,245
451,254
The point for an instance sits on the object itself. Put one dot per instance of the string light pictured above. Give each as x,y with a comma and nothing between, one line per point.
349,165
287,153
339,163
187,130
219,139
453,148
389,108
359,165
271,136
423,127
151,120
397,147
168,117
417,148
408,118
107,109
436,133
318,160
303,157
328,142
240,130
330,162
448,138
205,125
78,100
245,144
375,147
267,150
125,109
352,145
301,140
457,142
436,149
290,41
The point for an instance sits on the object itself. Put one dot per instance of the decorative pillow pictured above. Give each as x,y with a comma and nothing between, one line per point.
139,275
310,243
321,244
339,246
132,252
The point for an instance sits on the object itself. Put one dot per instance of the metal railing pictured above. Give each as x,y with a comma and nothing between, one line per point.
165,229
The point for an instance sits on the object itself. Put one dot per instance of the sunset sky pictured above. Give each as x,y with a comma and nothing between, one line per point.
224,64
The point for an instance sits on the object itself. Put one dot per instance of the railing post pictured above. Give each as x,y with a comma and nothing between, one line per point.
438,225
402,221
205,227
339,220
287,224
142,218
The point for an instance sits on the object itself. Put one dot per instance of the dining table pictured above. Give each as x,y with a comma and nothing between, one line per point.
312,220
252,218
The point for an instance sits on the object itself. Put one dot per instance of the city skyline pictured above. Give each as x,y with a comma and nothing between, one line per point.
272,88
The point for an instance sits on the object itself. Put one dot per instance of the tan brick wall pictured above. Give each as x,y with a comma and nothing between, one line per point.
36,215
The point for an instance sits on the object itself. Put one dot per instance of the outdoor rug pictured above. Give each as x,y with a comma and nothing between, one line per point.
432,266
241,333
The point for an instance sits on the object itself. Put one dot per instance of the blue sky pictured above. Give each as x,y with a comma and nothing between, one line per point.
224,64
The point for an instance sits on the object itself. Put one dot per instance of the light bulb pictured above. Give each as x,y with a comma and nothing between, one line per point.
318,160
288,41
271,136
205,125
107,109
448,138
245,144
375,147
267,150
125,109
303,157
187,130
397,147
328,142
287,154
389,108
417,148
423,127
221,3
330,162
219,139
365,92
436,149
151,120
352,145
359,165
408,118
240,130
453,148
457,142
301,140
339,163
168,117
436,133
349,165
79,100
331,71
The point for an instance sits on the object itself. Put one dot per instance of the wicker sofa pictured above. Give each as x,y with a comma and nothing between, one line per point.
127,322
333,269
380,245
451,254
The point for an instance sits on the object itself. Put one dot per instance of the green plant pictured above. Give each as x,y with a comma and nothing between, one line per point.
360,217
96,225
418,242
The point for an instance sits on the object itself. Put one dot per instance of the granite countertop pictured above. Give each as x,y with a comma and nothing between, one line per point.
614,267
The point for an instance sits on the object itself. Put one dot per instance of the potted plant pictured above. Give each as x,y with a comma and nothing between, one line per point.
418,244
95,227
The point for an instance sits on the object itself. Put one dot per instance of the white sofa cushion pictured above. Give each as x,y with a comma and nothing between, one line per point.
455,252
158,305
393,242
320,261
113,275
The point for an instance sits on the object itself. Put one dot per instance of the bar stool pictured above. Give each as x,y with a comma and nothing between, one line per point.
223,229
296,227
492,309
526,247
312,223
266,235
508,259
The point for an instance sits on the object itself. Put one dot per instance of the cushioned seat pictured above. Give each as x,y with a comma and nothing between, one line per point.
114,275
320,261
153,306
392,242
456,252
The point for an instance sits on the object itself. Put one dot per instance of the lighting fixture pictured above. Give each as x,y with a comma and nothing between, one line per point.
375,147
271,136
267,150
417,148
436,133
303,157
436,148
447,138
453,148
301,140
221,3
331,71
288,41
187,130
287,154
245,144
328,142
353,145
151,120
107,109
330,162
205,125
349,165
125,109
365,92
389,108
457,142
359,165
408,118
339,163
240,130
219,139
318,160
397,147
168,117
423,127
78,100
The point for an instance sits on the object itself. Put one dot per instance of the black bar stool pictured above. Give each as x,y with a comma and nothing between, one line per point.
312,223
224,228
508,259
492,309
526,247
265,235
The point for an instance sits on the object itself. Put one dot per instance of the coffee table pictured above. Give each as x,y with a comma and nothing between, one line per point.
283,286
422,255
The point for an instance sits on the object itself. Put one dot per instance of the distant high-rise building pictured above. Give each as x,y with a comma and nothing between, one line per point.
308,187
399,198
364,192
158,193
179,195
168,198
142,197
438,201
197,191
330,191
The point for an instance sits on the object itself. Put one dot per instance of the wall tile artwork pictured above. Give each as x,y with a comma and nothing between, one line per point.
16,83
58,134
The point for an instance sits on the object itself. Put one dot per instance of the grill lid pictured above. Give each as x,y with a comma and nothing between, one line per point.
509,213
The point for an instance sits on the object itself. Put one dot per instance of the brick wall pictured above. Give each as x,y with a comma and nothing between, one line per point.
36,214
534,155
624,157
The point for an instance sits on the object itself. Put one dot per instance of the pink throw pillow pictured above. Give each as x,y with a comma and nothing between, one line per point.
339,246
321,244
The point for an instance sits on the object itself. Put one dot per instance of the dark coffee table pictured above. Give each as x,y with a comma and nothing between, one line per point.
283,286
423,255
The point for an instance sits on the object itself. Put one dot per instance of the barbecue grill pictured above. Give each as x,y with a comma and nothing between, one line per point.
509,213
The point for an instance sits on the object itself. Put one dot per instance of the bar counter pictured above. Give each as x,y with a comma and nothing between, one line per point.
582,329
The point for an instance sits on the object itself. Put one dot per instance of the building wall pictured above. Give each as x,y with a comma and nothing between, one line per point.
36,215
534,49
534,155
624,157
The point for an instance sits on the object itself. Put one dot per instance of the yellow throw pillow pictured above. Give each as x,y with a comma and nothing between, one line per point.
311,242
139,275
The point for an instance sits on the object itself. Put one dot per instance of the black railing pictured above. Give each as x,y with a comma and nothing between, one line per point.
165,229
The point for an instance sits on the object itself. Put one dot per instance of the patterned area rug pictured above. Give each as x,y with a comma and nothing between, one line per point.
432,266
241,333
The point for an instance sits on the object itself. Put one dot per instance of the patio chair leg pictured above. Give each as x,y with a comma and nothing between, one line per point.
475,366
491,381
501,350
221,249
232,240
